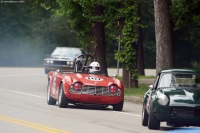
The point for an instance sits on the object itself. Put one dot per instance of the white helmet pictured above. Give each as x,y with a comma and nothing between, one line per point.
94,67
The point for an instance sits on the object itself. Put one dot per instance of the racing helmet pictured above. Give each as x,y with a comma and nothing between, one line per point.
94,67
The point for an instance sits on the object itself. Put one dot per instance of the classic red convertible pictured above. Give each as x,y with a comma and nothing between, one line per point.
85,86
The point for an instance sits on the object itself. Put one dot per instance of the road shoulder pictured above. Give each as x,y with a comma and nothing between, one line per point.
133,99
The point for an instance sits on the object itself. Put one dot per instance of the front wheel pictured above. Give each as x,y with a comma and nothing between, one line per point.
153,123
50,100
46,71
145,116
119,106
62,99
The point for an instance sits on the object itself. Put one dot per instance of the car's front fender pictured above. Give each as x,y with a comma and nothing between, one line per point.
66,81
151,100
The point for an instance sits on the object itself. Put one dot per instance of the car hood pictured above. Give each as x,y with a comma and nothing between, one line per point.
94,79
60,58
183,97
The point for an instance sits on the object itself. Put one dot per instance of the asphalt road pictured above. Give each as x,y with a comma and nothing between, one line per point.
23,109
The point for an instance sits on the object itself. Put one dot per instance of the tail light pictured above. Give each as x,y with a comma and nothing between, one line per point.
77,86
113,89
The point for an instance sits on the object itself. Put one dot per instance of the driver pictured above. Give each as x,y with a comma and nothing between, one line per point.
94,67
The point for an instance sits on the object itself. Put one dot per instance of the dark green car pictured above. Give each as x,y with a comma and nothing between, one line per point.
174,98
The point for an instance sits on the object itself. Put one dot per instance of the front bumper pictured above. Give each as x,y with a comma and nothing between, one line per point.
94,99
56,67
189,116
179,120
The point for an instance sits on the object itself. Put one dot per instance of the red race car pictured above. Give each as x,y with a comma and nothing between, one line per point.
85,86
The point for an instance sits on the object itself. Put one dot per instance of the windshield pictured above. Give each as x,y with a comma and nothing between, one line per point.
179,80
83,63
66,52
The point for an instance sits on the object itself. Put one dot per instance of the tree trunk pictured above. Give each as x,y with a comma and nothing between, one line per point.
126,76
140,54
125,73
163,31
99,40
128,79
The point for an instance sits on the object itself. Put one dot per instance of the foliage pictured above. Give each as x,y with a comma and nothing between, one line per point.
140,91
137,91
33,28
129,40
50,29
15,35
185,12
28,32
148,33
81,16
186,16
77,14
146,77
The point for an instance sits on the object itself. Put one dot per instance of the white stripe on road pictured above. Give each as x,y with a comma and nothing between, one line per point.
21,75
23,93
128,114
18,92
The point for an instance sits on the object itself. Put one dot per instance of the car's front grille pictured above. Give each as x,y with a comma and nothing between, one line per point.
59,62
95,90
186,112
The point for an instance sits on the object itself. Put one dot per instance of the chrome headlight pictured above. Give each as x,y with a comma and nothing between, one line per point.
50,61
162,99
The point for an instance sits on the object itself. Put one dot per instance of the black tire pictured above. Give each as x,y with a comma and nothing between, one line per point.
50,100
153,123
62,99
145,116
119,106
46,71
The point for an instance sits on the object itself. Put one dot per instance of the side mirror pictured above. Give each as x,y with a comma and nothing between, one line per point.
58,70
150,87
114,75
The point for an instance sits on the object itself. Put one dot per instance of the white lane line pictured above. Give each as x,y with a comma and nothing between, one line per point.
21,75
128,114
23,93
45,97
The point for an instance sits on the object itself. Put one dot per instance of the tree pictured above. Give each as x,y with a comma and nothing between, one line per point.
89,19
28,32
139,43
163,30
99,39
185,13
129,39
186,16
148,33
85,18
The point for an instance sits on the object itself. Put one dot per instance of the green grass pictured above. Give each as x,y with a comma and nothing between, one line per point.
140,77
140,91
146,77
